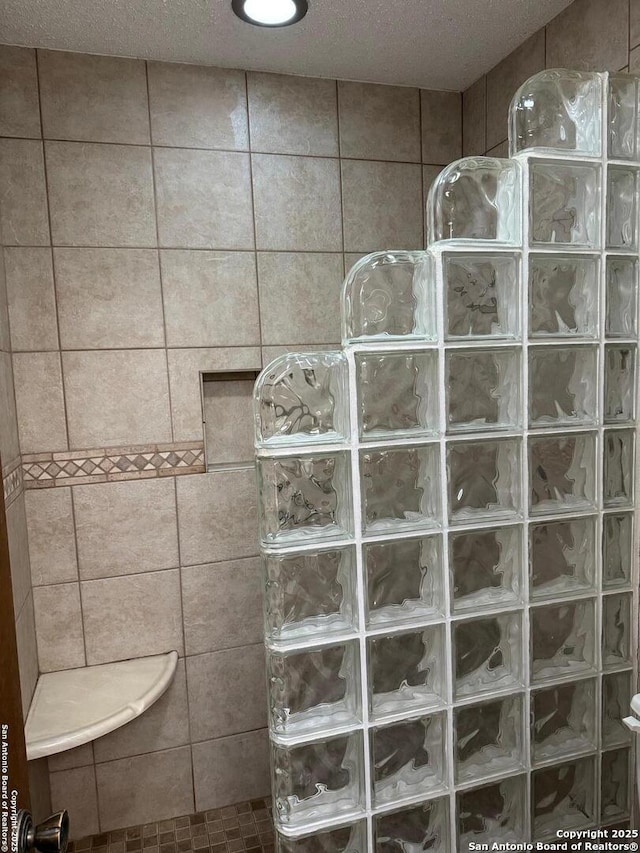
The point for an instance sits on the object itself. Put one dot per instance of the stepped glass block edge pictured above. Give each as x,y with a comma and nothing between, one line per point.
471,447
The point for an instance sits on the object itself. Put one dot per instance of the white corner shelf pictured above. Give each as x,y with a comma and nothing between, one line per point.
75,706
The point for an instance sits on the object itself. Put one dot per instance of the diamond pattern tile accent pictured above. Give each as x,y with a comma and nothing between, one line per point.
100,467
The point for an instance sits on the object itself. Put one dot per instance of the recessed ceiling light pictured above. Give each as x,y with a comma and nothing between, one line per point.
270,13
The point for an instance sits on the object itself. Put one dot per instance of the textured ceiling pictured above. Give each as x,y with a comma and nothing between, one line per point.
438,44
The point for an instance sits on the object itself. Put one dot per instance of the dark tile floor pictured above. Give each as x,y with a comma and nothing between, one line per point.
233,829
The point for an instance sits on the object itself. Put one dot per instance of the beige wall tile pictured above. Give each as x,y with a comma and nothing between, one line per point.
93,98
164,725
273,352
75,790
117,397
634,23
634,60
504,80
23,216
228,421
222,605
185,366
297,203
19,108
382,205
300,297
441,126
31,298
81,756
499,150
52,546
39,401
292,115
109,298
474,119
18,553
227,692
132,616
379,122
100,195
590,35
210,298
126,528
204,199
217,516
193,106
5,338
145,788
59,627
27,653
231,770
9,446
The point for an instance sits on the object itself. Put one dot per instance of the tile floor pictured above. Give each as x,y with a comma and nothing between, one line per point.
234,829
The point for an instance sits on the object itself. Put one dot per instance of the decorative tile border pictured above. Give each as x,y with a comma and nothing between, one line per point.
12,481
109,464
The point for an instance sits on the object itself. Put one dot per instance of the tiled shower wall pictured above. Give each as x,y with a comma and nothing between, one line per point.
161,220
589,35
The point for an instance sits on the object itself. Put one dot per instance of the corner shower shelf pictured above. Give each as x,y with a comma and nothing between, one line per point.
75,706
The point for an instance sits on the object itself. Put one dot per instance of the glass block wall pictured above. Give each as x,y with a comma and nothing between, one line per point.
447,507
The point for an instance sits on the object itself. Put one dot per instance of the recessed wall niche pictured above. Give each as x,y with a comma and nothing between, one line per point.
227,417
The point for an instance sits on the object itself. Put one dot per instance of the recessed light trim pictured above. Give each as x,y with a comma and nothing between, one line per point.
270,13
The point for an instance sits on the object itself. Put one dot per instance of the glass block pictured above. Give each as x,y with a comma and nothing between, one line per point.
493,814
476,198
488,739
406,671
487,654
562,557
563,640
617,548
616,630
623,116
397,394
313,592
563,385
304,498
622,227
345,839
564,203
616,704
315,689
563,720
302,398
481,296
408,759
389,295
404,580
483,389
563,296
559,110
622,282
484,479
618,467
485,568
400,488
318,780
562,473
563,797
421,827
616,784
619,383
